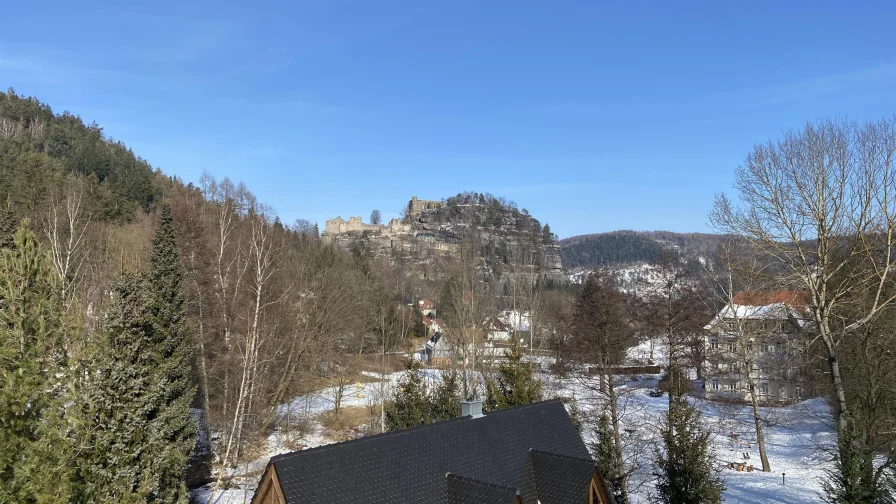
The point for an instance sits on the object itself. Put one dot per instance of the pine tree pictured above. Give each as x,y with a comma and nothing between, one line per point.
113,410
515,384
410,405
686,469
547,235
172,432
446,397
33,373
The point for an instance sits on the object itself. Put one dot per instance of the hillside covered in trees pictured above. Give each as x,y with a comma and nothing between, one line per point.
147,295
160,307
627,247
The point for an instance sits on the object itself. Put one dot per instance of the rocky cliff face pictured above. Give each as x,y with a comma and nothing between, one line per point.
506,242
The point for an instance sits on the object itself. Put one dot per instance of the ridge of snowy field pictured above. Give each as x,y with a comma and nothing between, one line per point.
798,439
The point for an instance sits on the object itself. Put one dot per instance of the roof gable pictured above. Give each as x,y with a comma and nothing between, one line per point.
560,478
410,465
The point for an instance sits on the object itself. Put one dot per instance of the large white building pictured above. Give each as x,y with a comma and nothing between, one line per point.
755,340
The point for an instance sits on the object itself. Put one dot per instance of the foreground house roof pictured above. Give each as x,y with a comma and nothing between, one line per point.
528,454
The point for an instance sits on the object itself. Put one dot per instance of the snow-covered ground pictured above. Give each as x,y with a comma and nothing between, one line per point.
797,440
640,279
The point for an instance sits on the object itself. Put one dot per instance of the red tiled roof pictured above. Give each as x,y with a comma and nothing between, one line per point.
796,299
426,304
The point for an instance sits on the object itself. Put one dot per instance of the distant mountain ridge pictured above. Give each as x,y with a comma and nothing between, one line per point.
617,248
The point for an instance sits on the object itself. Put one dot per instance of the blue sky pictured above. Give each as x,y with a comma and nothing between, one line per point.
592,115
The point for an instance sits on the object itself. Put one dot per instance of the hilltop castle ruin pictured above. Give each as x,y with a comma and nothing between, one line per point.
511,243
415,207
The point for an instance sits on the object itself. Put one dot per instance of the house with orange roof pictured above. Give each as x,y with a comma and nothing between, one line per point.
754,342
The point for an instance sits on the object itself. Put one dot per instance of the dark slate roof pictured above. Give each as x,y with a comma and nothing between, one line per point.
559,478
410,466
462,490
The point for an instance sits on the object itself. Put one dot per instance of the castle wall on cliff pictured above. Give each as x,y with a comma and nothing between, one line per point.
417,206
510,241
339,226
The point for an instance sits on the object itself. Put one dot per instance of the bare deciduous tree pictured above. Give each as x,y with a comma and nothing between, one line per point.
66,227
822,202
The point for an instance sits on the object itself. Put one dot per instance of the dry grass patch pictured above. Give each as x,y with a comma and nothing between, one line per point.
348,418
374,363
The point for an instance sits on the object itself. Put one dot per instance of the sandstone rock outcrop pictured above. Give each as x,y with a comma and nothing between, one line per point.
510,243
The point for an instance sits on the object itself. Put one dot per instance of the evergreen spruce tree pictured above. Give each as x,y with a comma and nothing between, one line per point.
33,374
419,326
410,405
515,383
575,412
113,410
605,455
134,395
172,432
686,469
446,397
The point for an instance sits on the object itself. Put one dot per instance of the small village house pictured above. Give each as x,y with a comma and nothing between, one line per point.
433,325
427,307
497,330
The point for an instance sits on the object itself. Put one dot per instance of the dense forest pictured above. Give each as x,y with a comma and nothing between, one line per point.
626,247
182,295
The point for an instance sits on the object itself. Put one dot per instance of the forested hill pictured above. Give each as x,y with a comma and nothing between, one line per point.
39,149
145,296
625,247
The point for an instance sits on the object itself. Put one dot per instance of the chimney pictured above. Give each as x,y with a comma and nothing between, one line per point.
471,408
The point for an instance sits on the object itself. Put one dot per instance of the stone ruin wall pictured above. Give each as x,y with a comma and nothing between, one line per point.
338,226
417,206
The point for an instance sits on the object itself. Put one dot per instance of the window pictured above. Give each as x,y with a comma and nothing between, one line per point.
798,392
763,389
714,344
715,384
732,386
732,347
